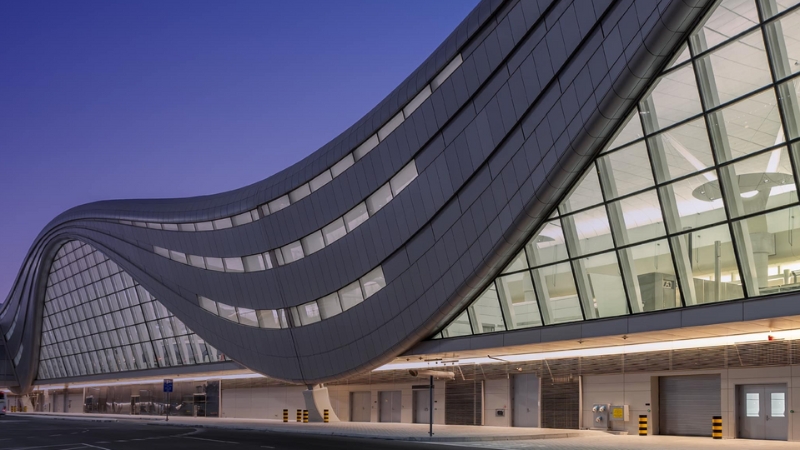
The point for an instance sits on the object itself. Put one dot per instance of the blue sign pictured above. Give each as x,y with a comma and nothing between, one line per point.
167,385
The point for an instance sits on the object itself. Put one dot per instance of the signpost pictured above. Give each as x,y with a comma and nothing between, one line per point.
168,390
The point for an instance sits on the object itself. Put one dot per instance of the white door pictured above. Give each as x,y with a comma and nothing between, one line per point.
389,406
526,400
360,406
422,405
762,412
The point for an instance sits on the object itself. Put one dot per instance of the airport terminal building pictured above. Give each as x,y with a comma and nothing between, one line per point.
570,206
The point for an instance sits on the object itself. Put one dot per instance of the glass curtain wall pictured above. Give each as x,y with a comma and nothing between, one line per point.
693,201
97,319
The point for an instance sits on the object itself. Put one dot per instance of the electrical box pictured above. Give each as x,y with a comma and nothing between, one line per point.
600,416
619,413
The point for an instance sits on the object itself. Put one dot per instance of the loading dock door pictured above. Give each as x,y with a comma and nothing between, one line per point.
688,403
526,400
360,406
390,406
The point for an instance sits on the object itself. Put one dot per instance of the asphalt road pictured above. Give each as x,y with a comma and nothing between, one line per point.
33,433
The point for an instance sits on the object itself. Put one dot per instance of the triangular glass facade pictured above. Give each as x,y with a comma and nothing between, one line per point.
693,201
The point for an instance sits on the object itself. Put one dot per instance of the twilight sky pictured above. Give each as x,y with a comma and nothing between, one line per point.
146,99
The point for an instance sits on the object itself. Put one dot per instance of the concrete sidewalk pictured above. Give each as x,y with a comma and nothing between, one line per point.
391,431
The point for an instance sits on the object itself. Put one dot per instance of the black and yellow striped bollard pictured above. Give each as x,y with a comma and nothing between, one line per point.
326,416
299,415
643,425
305,416
285,415
716,427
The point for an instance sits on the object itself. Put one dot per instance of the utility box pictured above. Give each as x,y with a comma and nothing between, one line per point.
600,416
619,413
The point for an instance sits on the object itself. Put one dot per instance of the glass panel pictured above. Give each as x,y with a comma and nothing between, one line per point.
234,265
777,402
518,301
242,219
518,263
547,246
268,318
247,317
641,218
197,261
557,294
789,93
204,226
605,291
765,181
313,243
728,19
373,282
786,44
625,171
329,306
214,264
768,241
365,147
655,285
629,132
697,200
746,126
682,150
753,404
459,327
177,256
342,165
356,216
403,178
300,193
739,68
253,263
379,199
586,193
221,224
186,227
675,98
208,304
320,180
334,231
591,231
227,312
292,252
682,55
485,313
278,204
351,295
710,253
309,313
161,251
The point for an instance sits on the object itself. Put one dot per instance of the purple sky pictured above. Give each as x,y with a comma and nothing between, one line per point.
143,99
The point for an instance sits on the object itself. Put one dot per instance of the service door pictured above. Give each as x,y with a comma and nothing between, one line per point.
389,406
360,406
761,412
422,405
687,404
526,400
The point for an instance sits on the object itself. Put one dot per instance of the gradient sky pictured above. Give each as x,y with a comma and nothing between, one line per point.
146,99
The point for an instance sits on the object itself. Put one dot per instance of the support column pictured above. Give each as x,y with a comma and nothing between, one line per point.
317,401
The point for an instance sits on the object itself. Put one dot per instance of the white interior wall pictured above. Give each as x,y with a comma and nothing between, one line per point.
497,396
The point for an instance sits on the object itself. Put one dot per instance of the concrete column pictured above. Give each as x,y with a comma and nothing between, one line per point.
317,401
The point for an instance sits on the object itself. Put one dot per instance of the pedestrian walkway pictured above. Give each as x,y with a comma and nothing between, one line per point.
395,431
611,442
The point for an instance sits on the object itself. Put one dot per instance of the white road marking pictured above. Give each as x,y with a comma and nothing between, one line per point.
211,440
94,446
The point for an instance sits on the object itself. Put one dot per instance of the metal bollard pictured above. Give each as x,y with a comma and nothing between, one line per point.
299,416
305,416
716,427
326,416
285,415
643,425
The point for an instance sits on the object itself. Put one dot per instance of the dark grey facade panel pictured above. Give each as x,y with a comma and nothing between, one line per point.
541,86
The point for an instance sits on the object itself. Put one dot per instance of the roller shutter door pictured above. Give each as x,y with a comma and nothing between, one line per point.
687,404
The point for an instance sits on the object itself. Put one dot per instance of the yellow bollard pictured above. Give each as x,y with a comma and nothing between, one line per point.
305,416
285,415
643,425
326,416
716,427
299,416
24,409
